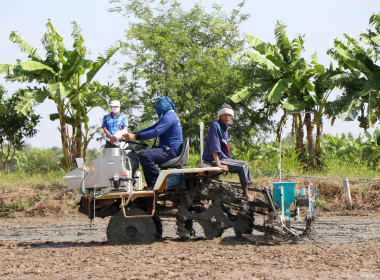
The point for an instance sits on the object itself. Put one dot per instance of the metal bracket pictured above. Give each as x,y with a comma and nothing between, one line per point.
124,204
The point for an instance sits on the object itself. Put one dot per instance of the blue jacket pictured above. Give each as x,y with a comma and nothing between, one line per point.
168,128
217,142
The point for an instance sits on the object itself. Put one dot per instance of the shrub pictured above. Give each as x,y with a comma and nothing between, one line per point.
36,160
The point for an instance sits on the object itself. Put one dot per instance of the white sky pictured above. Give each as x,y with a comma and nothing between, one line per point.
320,20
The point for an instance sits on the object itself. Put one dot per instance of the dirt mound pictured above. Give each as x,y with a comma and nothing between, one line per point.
48,207
49,201
331,193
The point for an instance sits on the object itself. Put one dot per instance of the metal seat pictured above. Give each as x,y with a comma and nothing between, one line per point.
180,161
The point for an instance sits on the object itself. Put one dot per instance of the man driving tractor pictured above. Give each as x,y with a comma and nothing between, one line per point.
169,130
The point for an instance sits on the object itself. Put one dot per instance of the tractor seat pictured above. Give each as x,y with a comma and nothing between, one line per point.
180,161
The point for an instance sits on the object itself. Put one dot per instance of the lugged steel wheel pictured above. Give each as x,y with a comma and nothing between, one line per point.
123,230
216,206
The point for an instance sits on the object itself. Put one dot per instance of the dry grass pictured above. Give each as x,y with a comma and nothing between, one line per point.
44,196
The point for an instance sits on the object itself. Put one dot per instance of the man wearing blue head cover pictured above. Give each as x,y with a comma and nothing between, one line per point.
168,128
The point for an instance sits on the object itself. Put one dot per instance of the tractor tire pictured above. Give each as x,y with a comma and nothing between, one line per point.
123,230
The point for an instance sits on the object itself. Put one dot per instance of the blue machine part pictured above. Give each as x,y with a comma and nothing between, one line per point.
289,197
175,181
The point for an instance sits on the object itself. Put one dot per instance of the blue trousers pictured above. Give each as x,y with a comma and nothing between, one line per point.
149,159
239,167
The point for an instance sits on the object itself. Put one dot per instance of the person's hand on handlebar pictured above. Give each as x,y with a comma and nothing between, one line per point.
129,136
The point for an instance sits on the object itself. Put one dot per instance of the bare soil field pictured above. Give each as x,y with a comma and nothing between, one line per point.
51,240
68,246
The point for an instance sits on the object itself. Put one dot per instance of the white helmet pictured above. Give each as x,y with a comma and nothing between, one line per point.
115,103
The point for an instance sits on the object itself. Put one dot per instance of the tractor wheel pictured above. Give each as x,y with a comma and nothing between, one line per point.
216,206
123,230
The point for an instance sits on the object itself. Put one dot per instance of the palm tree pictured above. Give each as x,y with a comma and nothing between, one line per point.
59,78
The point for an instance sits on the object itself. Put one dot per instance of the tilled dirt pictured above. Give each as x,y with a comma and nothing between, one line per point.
346,246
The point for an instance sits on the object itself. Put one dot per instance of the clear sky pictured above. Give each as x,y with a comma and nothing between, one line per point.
319,20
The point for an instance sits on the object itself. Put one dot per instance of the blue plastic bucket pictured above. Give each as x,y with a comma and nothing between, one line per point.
289,197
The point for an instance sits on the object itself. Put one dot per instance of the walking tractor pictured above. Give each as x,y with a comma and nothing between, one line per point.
111,185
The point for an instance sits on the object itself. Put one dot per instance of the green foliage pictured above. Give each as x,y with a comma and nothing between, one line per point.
352,157
14,127
280,79
360,76
185,55
65,77
92,154
194,158
21,205
320,202
344,156
18,205
10,182
37,160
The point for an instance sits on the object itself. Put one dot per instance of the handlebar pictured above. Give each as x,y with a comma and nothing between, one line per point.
135,145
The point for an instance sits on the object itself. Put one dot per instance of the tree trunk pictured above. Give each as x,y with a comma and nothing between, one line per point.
62,130
7,157
77,143
300,146
318,141
309,136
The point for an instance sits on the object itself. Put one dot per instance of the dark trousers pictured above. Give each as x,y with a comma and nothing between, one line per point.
149,159
109,145
239,167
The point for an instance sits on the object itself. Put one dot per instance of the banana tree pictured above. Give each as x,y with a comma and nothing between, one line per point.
59,78
283,78
317,105
361,84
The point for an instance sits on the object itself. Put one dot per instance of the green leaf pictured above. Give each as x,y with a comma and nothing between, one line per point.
376,40
85,119
277,60
351,61
58,89
35,66
315,59
26,103
278,89
7,69
243,58
100,63
267,64
319,69
292,105
312,100
368,87
24,46
372,104
41,96
3,110
299,64
260,46
54,116
241,95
